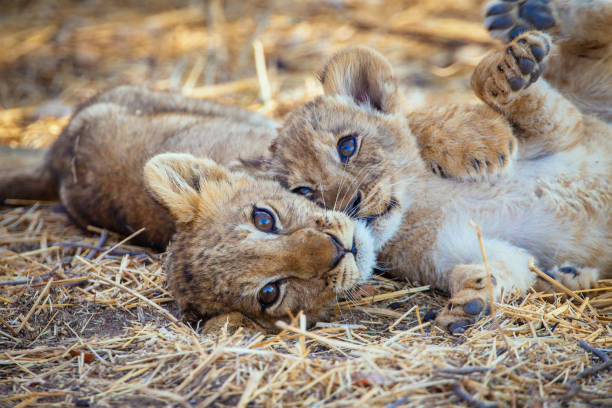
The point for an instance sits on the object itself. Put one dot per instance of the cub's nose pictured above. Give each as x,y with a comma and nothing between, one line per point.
353,206
340,250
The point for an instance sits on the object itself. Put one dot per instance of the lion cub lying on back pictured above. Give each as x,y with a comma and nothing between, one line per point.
355,148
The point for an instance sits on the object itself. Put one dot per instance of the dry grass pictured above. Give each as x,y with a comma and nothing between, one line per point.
87,321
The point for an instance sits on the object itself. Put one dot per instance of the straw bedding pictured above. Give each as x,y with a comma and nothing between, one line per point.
86,319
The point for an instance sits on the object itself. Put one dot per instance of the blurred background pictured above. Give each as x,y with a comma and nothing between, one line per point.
54,54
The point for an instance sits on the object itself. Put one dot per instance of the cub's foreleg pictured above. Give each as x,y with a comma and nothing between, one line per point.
480,151
507,80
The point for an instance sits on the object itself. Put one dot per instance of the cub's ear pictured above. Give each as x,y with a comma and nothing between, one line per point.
176,180
364,75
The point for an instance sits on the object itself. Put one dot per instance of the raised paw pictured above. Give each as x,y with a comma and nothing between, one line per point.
479,152
470,298
571,276
501,76
507,19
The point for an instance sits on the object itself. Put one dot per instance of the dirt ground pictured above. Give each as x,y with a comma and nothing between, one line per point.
86,319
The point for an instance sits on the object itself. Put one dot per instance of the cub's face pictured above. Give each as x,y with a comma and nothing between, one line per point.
250,247
348,150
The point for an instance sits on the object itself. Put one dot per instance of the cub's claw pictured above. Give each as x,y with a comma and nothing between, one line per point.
507,20
480,152
470,299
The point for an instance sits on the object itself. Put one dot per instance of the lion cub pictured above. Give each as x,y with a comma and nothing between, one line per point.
354,149
242,248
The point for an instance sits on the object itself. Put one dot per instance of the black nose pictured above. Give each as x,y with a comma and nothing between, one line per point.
340,251
353,206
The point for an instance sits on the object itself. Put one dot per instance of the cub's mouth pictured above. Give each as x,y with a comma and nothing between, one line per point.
391,207
357,263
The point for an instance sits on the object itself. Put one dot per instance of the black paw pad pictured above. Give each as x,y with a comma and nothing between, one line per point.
569,269
516,83
458,327
537,13
538,52
476,164
526,65
429,316
499,8
516,31
502,159
550,273
499,23
474,307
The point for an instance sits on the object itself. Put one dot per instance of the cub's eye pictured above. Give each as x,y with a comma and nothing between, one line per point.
264,220
268,295
347,146
302,190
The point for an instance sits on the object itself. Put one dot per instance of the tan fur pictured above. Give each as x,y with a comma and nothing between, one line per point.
562,172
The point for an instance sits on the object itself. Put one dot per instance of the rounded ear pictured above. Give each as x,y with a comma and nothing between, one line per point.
365,76
176,180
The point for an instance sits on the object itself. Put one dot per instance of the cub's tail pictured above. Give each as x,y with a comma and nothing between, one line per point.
26,175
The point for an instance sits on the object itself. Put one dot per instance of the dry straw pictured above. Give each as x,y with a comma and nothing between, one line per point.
86,319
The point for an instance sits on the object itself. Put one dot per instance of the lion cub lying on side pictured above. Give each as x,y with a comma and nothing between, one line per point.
355,149
243,248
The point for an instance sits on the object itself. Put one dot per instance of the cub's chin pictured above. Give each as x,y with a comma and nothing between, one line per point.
383,226
365,256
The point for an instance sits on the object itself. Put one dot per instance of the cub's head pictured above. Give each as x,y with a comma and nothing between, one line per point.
251,249
351,149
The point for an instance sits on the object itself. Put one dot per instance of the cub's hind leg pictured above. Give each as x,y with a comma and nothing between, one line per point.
470,295
507,80
572,21
572,276
581,66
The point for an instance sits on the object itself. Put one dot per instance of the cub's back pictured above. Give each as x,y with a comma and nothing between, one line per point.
100,156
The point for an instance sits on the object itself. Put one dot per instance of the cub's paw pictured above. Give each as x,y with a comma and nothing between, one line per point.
231,322
507,19
501,76
572,276
480,152
470,299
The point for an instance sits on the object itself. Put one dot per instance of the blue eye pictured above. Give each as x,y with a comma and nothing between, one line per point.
347,146
302,190
264,220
